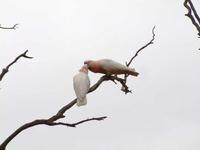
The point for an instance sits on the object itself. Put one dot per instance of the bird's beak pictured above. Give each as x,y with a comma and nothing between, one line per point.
86,65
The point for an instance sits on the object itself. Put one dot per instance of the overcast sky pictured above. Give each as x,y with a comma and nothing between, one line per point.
162,113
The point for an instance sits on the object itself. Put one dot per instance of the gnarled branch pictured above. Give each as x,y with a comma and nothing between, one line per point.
52,121
60,114
6,69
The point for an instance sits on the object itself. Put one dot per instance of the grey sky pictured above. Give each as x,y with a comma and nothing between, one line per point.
161,114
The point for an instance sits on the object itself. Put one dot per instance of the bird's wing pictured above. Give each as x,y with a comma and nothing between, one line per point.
81,84
110,65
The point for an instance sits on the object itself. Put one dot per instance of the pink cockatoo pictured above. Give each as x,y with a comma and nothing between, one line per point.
81,84
109,67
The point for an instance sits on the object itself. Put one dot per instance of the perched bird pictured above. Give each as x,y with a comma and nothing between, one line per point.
109,67
81,83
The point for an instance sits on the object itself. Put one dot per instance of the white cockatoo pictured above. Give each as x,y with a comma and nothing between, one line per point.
81,84
109,67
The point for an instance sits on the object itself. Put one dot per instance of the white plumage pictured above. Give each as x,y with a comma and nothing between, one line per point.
112,66
81,83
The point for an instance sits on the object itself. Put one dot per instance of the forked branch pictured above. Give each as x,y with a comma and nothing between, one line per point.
6,69
124,87
53,120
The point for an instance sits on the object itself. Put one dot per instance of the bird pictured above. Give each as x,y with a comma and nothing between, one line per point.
81,84
109,67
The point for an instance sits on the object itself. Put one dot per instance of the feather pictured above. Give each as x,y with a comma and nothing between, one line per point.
109,67
81,84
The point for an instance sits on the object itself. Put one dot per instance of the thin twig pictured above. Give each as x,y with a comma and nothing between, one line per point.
6,69
77,123
13,27
143,47
125,88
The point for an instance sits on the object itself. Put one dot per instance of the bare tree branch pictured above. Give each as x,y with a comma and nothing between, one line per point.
77,123
143,47
124,86
191,10
52,121
194,11
5,70
60,114
44,122
13,27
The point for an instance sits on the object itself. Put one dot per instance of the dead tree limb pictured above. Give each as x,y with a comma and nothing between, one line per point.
6,69
143,47
44,122
59,115
77,123
13,27
124,87
53,120
192,15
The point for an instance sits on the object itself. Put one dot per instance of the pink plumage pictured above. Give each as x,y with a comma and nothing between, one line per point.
109,67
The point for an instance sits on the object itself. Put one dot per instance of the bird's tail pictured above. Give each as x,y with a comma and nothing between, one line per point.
81,102
132,72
